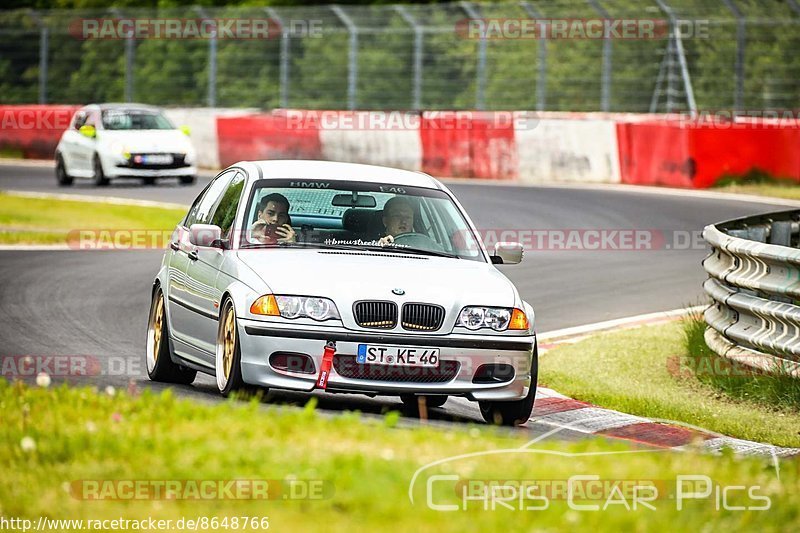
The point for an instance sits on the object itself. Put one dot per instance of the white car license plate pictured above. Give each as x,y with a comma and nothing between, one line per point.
377,354
157,159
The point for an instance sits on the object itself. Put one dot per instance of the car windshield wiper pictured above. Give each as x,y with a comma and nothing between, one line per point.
421,251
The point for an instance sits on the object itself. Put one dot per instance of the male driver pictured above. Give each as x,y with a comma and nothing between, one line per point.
398,218
273,224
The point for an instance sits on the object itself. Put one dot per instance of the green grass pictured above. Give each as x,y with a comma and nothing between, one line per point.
366,466
646,372
760,184
54,221
11,152
736,380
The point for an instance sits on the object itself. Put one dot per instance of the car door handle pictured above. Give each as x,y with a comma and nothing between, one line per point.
193,255
174,245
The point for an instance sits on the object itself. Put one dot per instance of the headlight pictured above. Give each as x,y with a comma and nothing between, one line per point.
117,148
295,307
496,318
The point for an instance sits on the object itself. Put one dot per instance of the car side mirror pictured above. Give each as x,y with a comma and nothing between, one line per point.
186,131
87,130
207,235
508,253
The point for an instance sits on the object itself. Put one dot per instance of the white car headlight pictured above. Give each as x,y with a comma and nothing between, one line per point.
117,148
305,306
496,318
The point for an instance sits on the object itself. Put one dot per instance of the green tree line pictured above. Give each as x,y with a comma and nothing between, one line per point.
176,72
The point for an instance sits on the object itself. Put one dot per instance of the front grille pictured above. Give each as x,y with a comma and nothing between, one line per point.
422,317
377,315
346,366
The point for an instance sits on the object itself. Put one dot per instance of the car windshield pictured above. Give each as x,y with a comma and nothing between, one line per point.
128,119
358,215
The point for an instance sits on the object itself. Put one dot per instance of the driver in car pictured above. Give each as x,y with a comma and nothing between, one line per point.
273,224
398,218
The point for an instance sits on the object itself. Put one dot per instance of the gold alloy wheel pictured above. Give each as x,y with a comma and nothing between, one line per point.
228,343
158,327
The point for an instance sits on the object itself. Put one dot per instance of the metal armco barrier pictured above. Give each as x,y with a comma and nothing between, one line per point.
754,284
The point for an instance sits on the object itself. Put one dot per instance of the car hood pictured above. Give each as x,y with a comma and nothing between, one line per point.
347,277
148,141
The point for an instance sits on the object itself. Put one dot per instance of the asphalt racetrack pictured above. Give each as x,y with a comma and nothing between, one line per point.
96,303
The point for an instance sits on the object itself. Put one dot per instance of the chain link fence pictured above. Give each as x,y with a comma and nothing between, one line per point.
705,54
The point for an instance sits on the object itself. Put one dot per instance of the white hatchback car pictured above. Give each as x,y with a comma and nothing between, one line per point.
306,275
109,141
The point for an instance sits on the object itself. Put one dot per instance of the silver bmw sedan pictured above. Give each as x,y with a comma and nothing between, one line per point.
304,275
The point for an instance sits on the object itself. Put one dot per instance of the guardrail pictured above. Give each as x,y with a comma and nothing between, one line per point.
754,284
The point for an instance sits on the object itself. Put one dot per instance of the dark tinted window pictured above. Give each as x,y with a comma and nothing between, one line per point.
125,119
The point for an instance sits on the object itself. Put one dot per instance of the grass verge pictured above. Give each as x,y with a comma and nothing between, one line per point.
736,380
55,441
51,221
649,372
759,184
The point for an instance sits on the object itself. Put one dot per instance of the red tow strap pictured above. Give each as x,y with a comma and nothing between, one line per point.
325,367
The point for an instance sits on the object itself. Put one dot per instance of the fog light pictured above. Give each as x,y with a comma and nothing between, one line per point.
494,373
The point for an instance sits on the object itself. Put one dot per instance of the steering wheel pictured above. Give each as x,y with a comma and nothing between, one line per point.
416,240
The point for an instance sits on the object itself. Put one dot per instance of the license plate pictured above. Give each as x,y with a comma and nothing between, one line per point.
378,354
157,159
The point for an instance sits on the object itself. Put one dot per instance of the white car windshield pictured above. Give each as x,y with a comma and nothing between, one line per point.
130,119
358,215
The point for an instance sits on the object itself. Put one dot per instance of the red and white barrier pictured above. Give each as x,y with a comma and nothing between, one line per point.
33,130
524,147
567,149
689,153
202,124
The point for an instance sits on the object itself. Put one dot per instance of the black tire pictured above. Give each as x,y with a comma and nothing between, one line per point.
411,400
186,180
100,178
235,383
164,369
63,179
517,412
149,180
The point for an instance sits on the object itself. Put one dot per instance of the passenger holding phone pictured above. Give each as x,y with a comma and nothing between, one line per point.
273,225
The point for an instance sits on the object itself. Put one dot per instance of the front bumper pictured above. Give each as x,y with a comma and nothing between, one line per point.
120,167
258,340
